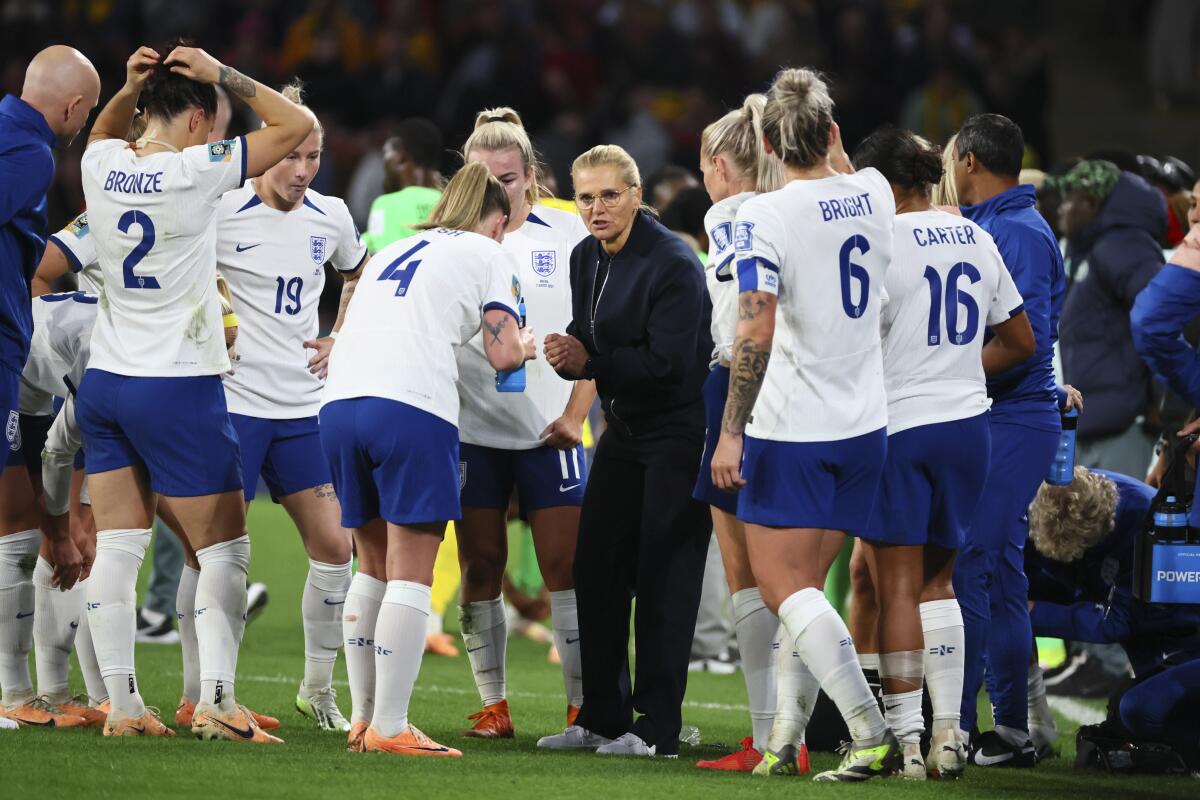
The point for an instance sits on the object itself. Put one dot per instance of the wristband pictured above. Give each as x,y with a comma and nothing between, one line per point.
333,334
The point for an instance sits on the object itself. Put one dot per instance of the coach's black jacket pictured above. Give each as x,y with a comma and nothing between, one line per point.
649,342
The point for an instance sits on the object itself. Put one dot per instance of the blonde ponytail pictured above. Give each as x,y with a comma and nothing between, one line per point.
471,195
739,136
798,117
294,91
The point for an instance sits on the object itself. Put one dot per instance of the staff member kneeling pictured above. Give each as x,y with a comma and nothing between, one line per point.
640,329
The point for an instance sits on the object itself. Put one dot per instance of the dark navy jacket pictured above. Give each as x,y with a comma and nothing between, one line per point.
1112,259
1025,395
1091,600
649,342
26,169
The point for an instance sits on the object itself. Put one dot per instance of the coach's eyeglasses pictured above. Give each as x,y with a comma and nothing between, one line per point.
610,198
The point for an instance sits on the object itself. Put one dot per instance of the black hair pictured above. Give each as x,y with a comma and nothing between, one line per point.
902,157
167,94
665,174
423,141
996,141
685,212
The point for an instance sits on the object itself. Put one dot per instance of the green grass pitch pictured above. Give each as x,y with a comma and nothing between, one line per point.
82,764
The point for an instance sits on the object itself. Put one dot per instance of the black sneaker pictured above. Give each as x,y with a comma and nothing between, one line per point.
256,600
1084,677
991,750
151,632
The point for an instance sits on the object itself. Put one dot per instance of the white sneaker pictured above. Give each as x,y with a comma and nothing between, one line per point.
627,744
573,738
321,708
913,767
948,753
7,724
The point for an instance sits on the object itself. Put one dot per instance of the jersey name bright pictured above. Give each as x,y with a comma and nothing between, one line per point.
858,205
133,182
956,234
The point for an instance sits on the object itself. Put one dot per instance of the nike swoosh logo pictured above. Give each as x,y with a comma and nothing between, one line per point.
241,249
892,708
572,641
568,488
139,730
427,749
23,616
469,650
245,734
338,603
73,625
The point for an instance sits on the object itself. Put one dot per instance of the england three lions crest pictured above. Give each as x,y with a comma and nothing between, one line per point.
543,262
316,248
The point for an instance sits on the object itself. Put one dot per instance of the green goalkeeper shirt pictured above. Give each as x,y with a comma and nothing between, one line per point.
394,215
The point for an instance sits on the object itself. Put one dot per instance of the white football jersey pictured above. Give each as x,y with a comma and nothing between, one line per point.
79,246
417,300
514,420
721,272
274,262
823,246
946,282
153,221
59,350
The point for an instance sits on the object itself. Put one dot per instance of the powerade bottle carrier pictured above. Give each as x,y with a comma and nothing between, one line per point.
1166,565
513,380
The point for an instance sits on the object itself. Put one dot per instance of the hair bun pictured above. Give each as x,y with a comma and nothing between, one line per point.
502,114
294,91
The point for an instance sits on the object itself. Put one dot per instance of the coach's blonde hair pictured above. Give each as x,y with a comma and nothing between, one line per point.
1064,521
612,155
739,136
294,91
471,195
945,193
501,129
798,117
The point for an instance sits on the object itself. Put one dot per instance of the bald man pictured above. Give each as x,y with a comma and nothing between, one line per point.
61,88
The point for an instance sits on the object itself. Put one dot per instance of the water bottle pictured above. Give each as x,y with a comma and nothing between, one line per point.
513,380
1062,470
1171,520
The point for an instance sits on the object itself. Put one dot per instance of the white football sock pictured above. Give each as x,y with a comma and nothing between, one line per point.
903,709
185,611
755,627
85,651
221,617
18,554
945,645
321,609
564,617
825,645
399,646
1039,708
111,598
358,628
796,693
55,621
868,661
485,633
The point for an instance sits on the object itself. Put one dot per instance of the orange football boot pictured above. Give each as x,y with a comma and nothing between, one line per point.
744,760
210,722
39,713
354,742
187,709
440,644
147,724
409,742
77,707
493,722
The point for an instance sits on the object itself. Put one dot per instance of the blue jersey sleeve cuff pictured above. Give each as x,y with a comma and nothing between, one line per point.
1016,311
72,259
723,271
242,148
503,307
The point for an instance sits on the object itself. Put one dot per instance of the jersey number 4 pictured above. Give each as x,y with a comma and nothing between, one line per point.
127,221
402,270
955,297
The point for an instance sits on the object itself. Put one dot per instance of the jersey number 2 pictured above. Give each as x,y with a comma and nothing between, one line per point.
127,221
402,272
954,298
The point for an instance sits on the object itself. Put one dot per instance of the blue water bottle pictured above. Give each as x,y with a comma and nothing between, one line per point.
513,380
1062,470
1171,521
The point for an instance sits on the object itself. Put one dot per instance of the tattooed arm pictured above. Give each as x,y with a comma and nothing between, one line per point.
286,124
751,353
505,346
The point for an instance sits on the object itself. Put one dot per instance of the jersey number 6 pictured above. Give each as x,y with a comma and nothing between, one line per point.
856,271
127,221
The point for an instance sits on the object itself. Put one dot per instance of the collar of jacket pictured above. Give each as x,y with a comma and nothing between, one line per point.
1132,203
26,116
642,237
1018,197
